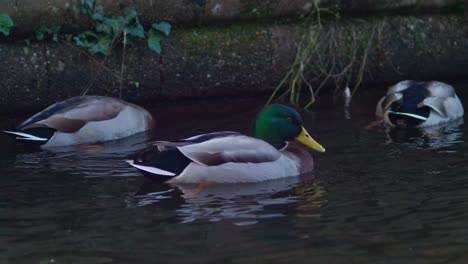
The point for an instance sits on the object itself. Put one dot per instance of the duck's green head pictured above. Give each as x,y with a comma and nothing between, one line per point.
277,124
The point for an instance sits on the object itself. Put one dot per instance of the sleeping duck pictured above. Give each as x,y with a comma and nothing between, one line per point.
84,120
419,104
231,157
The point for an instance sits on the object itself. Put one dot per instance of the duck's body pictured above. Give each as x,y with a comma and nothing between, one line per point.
419,104
230,157
84,120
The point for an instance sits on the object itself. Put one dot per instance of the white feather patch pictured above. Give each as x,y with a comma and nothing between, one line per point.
410,115
152,170
24,136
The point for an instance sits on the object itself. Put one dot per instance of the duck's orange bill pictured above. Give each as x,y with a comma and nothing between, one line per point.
374,124
307,140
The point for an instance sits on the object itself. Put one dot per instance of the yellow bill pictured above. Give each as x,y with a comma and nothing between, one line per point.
307,140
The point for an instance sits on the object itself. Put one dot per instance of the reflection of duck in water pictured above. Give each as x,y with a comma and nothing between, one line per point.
245,203
101,160
419,104
233,157
84,120
433,137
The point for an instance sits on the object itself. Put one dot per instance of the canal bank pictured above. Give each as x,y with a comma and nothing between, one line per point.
230,48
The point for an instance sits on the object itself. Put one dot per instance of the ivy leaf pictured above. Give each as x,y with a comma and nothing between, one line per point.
111,26
98,14
6,23
133,25
68,37
163,27
118,25
43,31
154,39
103,45
40,33
84,39
94,43
136,30
86,6
104,28
55,36
78,41
131,15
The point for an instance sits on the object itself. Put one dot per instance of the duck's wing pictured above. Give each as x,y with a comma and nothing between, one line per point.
235,148
386,101
435,103
163,145
400,86
440,89
394,93
71,115
442,99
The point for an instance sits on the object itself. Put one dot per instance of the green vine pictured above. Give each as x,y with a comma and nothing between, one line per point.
6,23
53,32
156,34
108,32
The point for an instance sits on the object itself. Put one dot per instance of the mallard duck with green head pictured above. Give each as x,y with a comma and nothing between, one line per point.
230,157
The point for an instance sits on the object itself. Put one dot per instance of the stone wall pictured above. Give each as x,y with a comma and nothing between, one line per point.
248,53
32,14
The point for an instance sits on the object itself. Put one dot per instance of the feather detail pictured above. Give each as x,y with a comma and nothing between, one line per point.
409,115
149,169
25,136
208,136
389,100
237,148
164,145
71,115
59,123
436,104
440,89
301,156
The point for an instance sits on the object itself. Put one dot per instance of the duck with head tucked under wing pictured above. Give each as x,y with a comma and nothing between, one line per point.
231,157
419,104
84,120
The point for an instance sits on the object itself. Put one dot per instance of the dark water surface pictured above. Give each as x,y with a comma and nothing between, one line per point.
376,197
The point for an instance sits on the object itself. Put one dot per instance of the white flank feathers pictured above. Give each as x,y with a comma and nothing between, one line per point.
410,115
24,136
152,170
